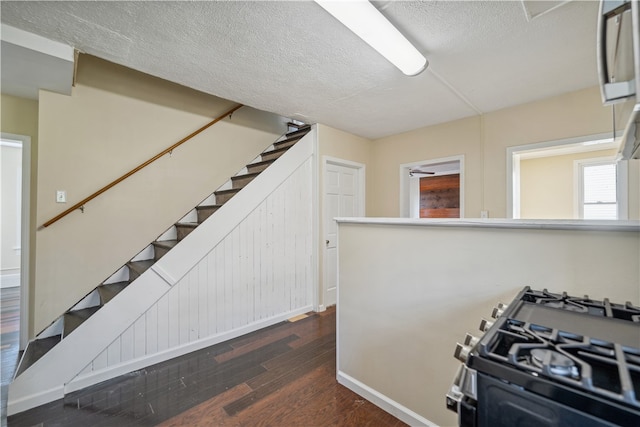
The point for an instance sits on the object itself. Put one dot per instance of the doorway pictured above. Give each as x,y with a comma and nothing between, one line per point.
16,184
432,188
343,196
544,179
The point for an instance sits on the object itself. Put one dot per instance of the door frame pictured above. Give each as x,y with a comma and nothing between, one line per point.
360,169
25,233
566,146
406,186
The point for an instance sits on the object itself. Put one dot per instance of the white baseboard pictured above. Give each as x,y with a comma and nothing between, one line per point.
96,377
383,402
24,403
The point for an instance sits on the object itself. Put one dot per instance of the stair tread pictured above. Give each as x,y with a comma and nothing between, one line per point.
35,350
110,290
168,244
302,130
209,207
262,162
246,175
276,150
73,319
229,191
187,224
287,140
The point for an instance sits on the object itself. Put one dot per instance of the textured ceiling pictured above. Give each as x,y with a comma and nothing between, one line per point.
294,59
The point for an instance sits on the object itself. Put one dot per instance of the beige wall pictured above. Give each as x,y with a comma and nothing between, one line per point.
483,141
114,120
341,145
20,116
547,185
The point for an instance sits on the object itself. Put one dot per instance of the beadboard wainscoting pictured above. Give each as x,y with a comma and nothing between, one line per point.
257,275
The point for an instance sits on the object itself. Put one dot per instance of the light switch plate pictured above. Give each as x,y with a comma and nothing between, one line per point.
61,196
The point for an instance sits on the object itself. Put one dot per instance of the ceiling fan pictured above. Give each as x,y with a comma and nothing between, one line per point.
419,172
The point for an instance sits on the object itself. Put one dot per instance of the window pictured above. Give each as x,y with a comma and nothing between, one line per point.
597,189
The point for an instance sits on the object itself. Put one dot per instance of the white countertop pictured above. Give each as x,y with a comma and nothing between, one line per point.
603,225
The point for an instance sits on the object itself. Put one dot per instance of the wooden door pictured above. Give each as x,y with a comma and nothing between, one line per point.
440,196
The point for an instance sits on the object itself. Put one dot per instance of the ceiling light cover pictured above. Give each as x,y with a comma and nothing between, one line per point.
370,25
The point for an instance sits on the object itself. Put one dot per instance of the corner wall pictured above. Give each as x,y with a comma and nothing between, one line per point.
115,119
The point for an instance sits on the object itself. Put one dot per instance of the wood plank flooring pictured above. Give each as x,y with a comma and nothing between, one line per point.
9,341
283,375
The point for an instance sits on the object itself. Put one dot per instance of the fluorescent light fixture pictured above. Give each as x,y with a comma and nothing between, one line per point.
370,25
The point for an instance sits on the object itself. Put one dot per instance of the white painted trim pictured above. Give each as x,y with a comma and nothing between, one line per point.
34,399
25,222
514,155
622,190
316,238
405,182
399,411
96,377
36,43
550,224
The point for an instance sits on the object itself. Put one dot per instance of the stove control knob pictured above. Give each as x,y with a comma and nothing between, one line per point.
499,310
470,340
462,352
485,325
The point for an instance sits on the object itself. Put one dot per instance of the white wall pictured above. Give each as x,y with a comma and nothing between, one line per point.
11,169
408,293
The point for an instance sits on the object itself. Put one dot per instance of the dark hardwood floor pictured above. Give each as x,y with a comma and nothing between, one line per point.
9,340
284,375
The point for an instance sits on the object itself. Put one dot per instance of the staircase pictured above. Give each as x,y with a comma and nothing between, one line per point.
73,318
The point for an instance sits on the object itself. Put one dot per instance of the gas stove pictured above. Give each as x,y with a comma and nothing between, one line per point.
551,360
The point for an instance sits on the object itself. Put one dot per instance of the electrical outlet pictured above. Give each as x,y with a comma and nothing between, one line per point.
61,196
484,214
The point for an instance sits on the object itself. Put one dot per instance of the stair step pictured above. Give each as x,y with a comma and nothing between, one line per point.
259,166
35,350
274,154
302,130
136,268
240,181
108,291
288,143
184,228
160,248
73,319
205,212
223,196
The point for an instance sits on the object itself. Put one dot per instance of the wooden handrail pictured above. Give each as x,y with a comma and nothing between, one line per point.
80,205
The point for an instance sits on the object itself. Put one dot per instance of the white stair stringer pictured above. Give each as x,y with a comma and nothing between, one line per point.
244,231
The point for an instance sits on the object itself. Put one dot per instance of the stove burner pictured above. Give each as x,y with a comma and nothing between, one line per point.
565,306
558,363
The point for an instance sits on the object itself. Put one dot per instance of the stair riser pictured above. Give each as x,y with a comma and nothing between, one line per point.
240,183
159,252
272,156
203,214
183,231
221,199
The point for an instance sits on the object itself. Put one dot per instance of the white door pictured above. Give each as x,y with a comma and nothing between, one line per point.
343,197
